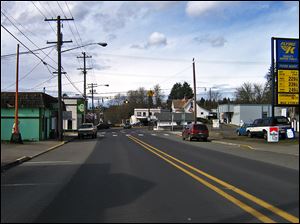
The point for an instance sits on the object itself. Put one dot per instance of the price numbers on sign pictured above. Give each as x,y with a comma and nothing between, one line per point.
288,81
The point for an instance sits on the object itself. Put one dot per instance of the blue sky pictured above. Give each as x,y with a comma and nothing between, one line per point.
149,43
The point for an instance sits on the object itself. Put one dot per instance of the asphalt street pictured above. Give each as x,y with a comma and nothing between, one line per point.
138,176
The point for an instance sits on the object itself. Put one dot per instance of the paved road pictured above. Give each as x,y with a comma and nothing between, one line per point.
137,176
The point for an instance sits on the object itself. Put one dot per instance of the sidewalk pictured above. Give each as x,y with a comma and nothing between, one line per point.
228,136
14,154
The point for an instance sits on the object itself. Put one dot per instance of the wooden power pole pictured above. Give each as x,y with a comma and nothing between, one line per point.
16,135
195,94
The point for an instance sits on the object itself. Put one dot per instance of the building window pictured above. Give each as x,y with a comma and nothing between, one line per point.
264,114
139,113
202,113
144,114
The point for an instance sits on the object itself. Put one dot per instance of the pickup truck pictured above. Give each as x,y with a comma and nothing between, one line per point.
261,126
87,129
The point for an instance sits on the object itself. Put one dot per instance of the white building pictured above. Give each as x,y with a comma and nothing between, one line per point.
74,108
187,106
235,113
142,114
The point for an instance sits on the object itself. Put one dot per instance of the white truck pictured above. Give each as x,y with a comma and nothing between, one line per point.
261,126
87,129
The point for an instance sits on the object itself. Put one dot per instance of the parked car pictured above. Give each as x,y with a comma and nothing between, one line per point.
87,129
242,130
261,126
103,126
127,126
195,131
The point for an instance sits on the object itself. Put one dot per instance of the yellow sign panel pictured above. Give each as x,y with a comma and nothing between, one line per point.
288,99
150,93
288,81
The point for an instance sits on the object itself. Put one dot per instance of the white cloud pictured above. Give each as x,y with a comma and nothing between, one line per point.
217,41
197,8
157,39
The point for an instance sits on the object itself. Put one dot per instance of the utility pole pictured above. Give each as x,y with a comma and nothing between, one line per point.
84,83
16,135
273,77
59,44
195,94
92,85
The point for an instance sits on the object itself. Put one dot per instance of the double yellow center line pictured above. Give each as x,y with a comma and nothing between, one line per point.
182,166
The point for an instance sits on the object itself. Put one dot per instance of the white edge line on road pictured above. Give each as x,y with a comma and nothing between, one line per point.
27,184
45,162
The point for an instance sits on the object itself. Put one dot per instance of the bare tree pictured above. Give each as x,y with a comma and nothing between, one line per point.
244,94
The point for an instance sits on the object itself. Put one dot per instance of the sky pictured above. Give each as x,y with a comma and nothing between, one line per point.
148,43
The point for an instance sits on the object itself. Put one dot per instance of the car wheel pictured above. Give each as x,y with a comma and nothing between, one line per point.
239,134
265,134
189,138
249,134
204,139
183,138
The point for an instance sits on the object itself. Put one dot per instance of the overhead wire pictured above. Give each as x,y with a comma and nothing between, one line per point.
45,17
90,60
27,37
27,74
65,74
45,63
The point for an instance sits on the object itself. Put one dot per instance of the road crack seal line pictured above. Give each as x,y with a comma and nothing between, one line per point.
233,144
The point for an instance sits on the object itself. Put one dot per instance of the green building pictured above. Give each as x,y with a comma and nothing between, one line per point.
37,115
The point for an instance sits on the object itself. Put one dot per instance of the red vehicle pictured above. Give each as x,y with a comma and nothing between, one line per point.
195,131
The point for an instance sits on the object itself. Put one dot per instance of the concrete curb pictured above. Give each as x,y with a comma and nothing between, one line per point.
27,158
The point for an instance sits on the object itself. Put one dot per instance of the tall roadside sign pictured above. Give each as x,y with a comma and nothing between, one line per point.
285,69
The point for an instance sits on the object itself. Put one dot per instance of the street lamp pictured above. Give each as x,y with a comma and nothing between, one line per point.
101,44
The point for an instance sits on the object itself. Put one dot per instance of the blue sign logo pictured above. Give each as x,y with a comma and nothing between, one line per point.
287,51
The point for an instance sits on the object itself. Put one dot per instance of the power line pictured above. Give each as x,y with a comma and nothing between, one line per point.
64,84
72,83
42,14
90,61
26,75
26,36
45,63
19,23
186,60
42,83
50,8
68,23
25,52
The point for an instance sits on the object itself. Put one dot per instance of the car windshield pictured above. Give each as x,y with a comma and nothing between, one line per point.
86,126
200,127
281,120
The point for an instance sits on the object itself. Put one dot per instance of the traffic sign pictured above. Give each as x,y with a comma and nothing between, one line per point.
150,93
